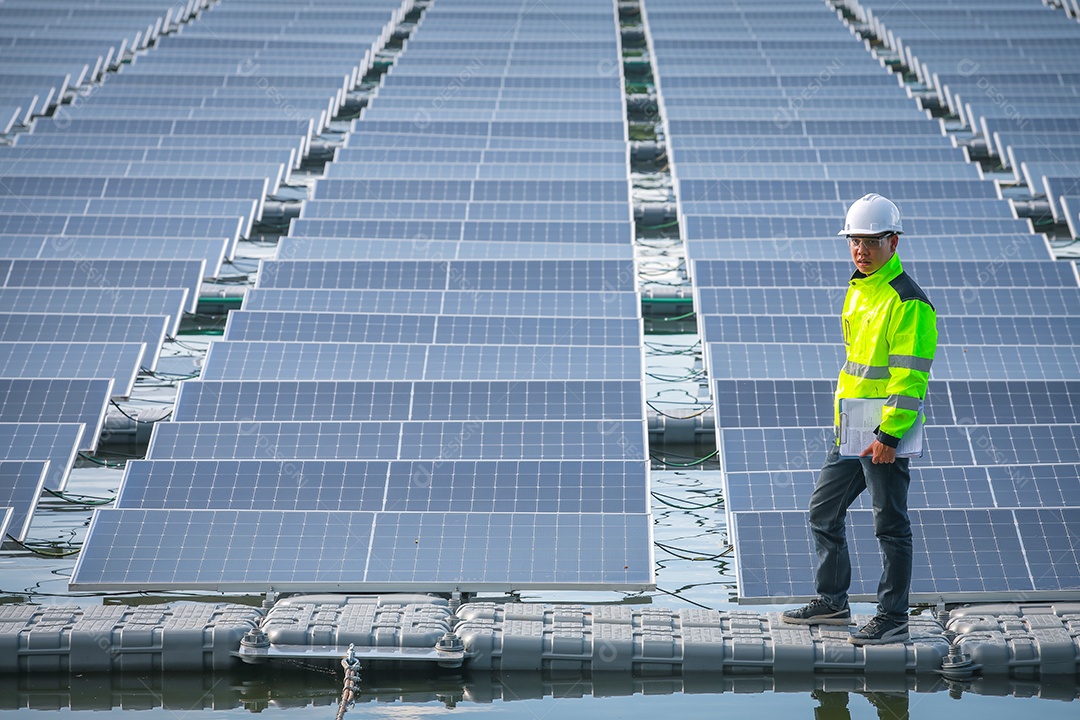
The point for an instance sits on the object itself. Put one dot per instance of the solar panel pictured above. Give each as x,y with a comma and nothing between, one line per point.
975,249
957,552
847,191
226,400
1034,485
100,301
929,274
747,449
117,361
471,275
360,249
332,361
357,327
95,273
963,302
57,401
421,231
745,226
1019,330
212,250
6,515
289,550
770,328
53,327
576,303
21,484
398,486
773,403
931,487
435,440
55,442
480,191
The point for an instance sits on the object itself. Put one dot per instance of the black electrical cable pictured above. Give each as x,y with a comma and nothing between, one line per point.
661,413
93,501
42,553
680,597
103,463
695,463
166,416
692,506
684,554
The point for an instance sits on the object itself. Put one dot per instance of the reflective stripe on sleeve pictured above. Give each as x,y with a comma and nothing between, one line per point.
910,362
903,402
867,372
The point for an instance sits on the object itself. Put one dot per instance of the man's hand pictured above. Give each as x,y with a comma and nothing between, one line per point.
882,453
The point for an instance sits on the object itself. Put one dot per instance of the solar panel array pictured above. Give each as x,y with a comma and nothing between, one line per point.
436,385
1009,73
120,197
777,119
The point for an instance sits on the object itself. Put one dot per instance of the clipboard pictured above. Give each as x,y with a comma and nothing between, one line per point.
858,419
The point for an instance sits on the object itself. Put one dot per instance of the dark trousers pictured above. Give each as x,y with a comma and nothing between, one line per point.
841,481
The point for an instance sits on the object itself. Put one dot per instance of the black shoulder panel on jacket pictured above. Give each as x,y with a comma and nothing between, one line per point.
906,288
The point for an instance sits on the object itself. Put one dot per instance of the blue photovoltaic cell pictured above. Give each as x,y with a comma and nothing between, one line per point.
118,361
580,304
226,400
469,275
55,442
777,361
1014,330
520,191
1024,444
109,273
1031,486
53,327
331,361
1050,547
974,248
773,403
108,247
366,249
21,483
846,191
407,485
836,273
57,401
447,440
1003,302
747,449
774,361
794,229
420,232
356,327
956,551
217,549
112,301
770,328
931,487
1015,402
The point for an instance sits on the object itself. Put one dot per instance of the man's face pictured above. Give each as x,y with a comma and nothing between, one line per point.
869,253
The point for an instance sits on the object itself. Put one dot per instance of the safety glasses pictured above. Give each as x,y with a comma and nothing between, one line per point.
870,243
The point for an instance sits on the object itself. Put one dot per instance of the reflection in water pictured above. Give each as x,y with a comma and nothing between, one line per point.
833,705
838,697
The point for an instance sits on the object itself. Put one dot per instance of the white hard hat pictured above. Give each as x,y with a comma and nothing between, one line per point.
872,215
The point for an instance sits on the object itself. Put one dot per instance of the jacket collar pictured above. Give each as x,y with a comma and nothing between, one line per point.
888,272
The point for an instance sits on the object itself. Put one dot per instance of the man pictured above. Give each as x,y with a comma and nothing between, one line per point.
890,332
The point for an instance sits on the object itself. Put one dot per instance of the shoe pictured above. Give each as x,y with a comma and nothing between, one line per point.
881,630
817,612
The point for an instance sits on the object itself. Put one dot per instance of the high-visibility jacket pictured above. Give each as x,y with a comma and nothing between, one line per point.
890,331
